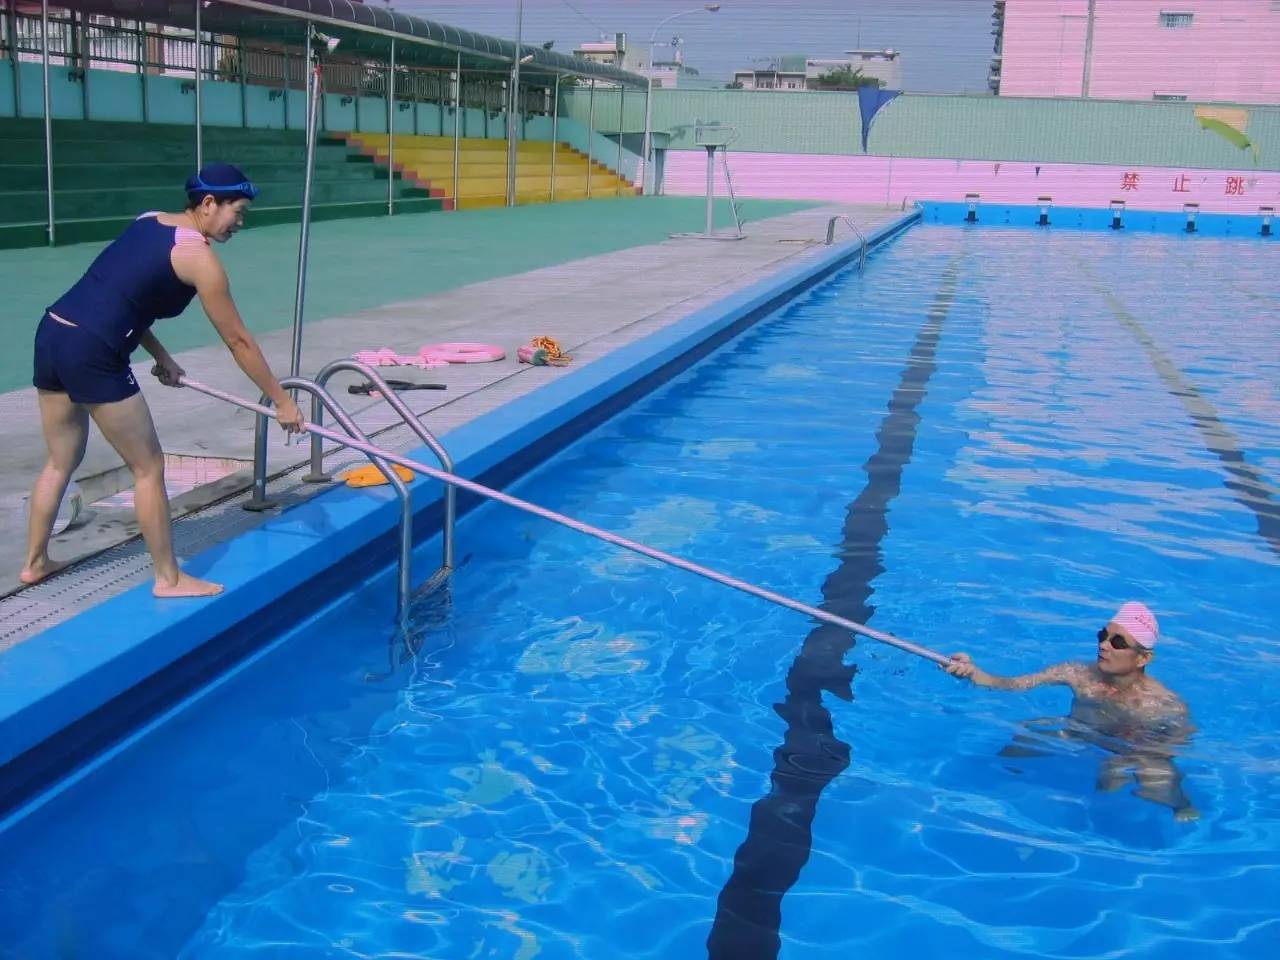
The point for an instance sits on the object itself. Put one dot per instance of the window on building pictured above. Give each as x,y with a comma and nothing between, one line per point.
1168,96
1176,19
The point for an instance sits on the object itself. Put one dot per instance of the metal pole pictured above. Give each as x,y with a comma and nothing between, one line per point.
199,95
622,103
391,133
81,57
591,130
244,81
513,106
711,189
142,71
452,479
284,93
555,131
647,149
12,16
457,119
48,119
1088,49
304,235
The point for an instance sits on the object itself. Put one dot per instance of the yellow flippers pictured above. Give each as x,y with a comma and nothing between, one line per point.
371,476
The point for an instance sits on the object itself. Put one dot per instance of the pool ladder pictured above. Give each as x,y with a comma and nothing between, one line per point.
831,237
322,400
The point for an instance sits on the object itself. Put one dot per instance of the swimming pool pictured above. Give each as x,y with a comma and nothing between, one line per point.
986,442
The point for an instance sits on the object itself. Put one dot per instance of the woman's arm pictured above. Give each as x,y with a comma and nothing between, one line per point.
199,267
167,370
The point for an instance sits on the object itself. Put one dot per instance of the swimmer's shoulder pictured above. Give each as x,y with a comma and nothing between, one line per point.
1077,675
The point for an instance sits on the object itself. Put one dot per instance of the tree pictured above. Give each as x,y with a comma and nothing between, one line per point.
736,85
845,78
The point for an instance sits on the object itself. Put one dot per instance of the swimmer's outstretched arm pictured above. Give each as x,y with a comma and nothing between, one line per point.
1060,674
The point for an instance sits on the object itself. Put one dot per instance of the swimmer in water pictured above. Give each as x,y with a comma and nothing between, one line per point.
1116,706
152,271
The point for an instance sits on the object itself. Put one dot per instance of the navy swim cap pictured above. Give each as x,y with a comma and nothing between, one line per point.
221,180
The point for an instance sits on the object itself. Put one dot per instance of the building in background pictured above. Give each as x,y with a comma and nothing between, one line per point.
613,52
1205,50
668,68
884,65
798,72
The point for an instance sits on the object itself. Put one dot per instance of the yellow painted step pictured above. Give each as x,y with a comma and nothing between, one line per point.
498,200
405,142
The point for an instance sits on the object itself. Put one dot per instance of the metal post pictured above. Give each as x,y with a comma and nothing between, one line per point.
142,71
622,103
80,57
513,105
199,95
285,85
555,131
1088,48
711,189
242,56
457,119
12,16
591,130
391,133
647,149
48,119
304,235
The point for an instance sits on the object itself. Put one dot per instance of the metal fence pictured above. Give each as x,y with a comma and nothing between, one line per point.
86,41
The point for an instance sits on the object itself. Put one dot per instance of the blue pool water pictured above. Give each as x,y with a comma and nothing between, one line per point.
985,443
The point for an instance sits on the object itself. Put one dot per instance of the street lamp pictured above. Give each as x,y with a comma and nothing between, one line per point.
648,99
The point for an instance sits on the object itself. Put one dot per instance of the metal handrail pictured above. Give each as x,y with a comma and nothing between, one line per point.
319,395
831,238
317,474
640,548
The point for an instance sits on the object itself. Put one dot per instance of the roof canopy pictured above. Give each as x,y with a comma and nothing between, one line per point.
364,30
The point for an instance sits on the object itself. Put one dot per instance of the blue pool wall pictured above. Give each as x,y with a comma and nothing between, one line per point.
1092,218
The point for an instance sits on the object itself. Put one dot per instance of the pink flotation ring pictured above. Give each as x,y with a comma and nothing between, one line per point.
461,353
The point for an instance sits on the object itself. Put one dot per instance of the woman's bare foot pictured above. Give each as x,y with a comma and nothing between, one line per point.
41,570
186,586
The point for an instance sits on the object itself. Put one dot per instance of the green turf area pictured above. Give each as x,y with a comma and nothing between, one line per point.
364,263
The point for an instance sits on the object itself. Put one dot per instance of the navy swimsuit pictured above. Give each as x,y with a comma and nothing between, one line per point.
127,288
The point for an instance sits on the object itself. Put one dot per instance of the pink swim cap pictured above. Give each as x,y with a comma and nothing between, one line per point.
1140,622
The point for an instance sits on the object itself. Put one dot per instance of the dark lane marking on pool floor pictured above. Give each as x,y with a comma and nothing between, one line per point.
1249,487
779,838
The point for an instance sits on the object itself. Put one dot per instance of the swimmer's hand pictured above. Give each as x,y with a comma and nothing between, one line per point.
963,668
168,372
289,416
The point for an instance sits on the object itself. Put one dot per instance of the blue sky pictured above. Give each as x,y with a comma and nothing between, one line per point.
945,44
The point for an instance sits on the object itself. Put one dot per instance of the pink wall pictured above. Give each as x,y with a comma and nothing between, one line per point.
1231,51
878,180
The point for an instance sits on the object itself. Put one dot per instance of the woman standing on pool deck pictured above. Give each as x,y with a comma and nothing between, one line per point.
150,272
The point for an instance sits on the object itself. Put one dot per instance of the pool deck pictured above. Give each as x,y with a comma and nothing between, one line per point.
592,305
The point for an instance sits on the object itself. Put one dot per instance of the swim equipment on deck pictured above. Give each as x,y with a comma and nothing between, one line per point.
355,440
432,355
462,352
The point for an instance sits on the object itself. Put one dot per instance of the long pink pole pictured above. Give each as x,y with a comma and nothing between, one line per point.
463,484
